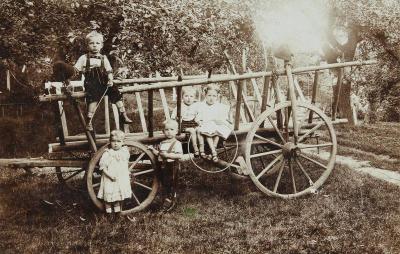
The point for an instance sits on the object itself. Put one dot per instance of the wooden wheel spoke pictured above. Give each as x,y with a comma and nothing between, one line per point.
304,171
268,167
268,141
276,129
143,172
309,132
265,153
312,160
136,161
278,179
72,175
292,175
143,185
135,198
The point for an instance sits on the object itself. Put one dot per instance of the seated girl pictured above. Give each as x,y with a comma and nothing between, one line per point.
213,119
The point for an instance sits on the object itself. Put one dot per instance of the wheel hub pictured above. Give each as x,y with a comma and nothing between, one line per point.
289,149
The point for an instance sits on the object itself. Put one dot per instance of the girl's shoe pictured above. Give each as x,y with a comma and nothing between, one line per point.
215,157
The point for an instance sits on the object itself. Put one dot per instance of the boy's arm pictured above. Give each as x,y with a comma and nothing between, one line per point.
109,71
177,154
110,79
153,150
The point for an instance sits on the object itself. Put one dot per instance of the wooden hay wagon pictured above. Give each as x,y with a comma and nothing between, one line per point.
285,145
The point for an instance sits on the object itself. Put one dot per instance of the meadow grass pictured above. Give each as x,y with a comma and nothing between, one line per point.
352,213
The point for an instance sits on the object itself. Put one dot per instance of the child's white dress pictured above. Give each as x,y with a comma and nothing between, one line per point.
213,119
116,164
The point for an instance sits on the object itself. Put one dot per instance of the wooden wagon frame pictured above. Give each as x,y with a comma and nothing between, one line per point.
279,141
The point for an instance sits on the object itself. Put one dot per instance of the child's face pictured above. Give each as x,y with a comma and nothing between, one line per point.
95,44
170,131
188,98
211,97
116,143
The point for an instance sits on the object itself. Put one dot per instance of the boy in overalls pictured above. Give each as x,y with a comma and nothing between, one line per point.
98,75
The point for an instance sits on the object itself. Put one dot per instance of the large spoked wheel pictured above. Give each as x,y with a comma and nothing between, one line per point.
72,178
144,181
284,153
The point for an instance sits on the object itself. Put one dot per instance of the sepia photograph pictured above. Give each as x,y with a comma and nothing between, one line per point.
200,126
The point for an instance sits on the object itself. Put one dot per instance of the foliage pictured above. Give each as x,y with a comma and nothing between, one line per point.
375,24
142,36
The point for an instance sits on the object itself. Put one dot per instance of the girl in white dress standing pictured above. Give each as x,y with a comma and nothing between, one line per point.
213,118
115,183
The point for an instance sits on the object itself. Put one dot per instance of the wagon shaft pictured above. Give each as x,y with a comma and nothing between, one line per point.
40,162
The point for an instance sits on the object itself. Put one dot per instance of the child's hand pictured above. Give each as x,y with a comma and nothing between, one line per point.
163,154
113,178
110,83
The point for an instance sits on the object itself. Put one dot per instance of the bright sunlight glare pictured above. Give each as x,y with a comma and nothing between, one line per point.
300,24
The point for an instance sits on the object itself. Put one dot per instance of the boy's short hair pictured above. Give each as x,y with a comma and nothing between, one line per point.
188,90
120,135
212,86
171,122
94,34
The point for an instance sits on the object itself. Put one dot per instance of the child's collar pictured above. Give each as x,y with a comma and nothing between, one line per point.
94,55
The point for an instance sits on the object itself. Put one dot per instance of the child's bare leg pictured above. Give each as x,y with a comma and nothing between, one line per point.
117,207
121,109
108,207
201,143
210,142
216,140
193,139
91,109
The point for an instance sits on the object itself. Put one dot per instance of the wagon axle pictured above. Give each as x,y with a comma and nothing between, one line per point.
289,150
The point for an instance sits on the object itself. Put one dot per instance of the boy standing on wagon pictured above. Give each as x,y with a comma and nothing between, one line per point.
98,75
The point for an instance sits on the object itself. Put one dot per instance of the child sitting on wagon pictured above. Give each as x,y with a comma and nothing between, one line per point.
188,115
115,185
213,118
98,75
168,153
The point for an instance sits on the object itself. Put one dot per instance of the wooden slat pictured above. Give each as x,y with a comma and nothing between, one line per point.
164,104
256,90
107,115
337,94
62,114
314,94
150,112
141,111
158,137
116,116
214,79
234,93
298,89
163,100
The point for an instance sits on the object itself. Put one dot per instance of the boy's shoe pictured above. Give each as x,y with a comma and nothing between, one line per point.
169,203
125,118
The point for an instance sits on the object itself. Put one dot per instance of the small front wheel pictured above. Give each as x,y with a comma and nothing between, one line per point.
143,174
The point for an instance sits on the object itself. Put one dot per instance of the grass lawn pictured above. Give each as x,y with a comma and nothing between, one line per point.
379,143
352,213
